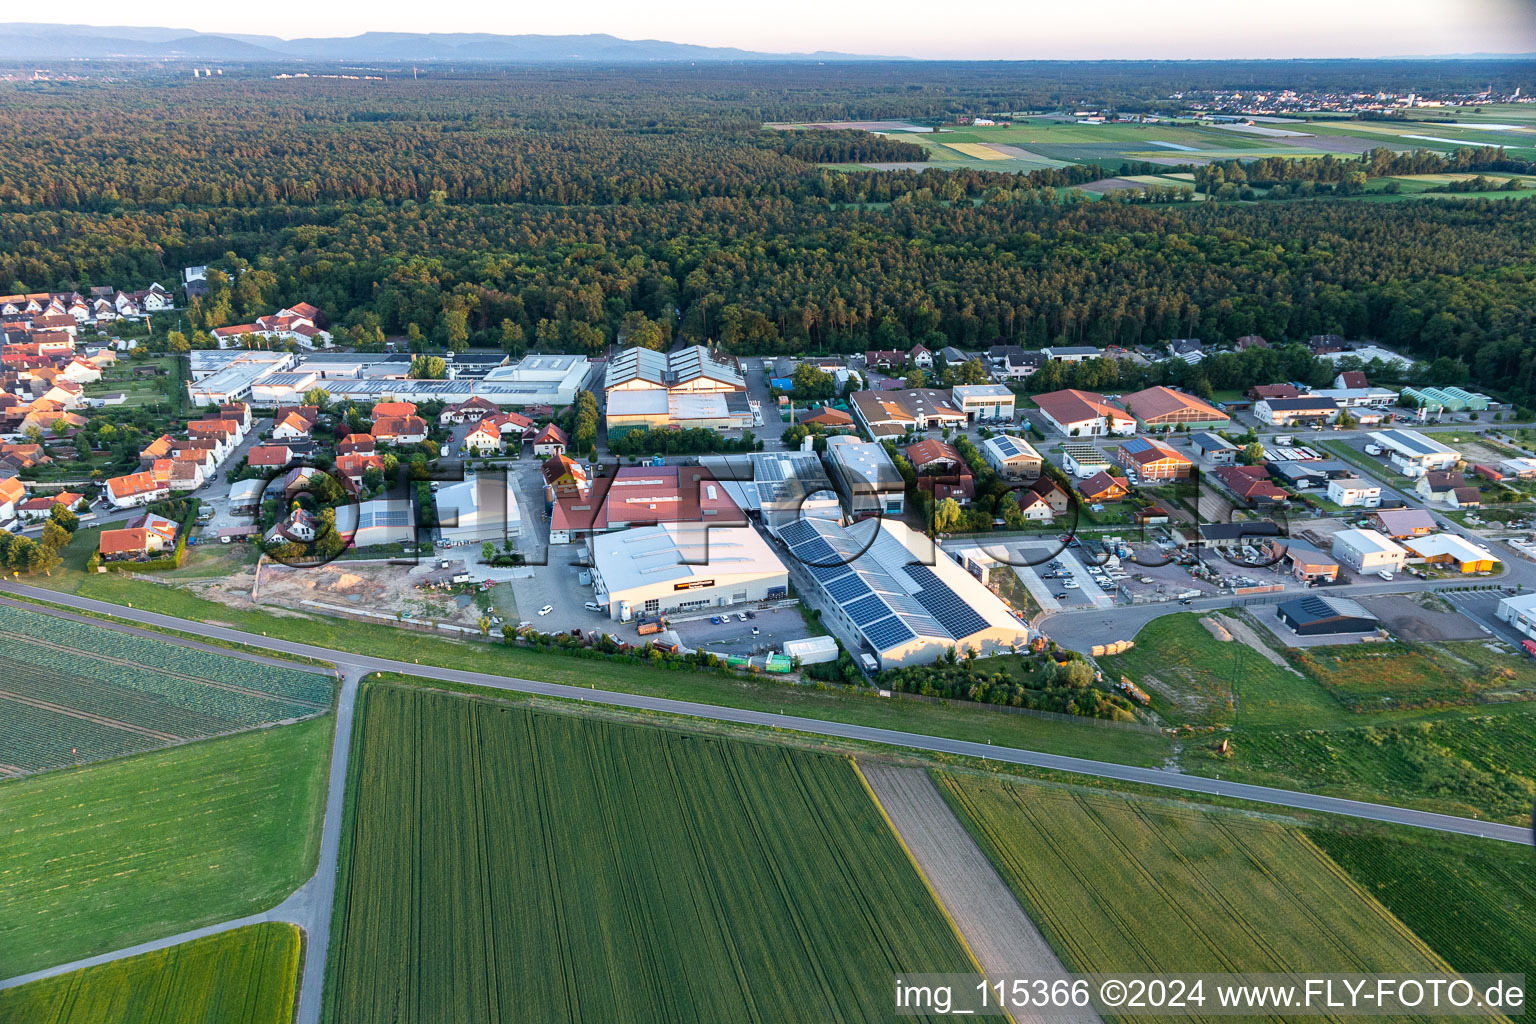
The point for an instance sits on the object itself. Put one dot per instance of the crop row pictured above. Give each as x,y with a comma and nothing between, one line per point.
35,739
244,976
1117,884
98,641
504,865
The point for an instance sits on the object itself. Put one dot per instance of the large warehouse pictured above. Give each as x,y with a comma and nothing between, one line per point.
1368,551
480,508
1319,616
880,586
684,567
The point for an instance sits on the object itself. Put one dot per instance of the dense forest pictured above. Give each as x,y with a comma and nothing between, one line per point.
569,209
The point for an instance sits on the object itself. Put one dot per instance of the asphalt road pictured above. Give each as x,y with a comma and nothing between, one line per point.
347,662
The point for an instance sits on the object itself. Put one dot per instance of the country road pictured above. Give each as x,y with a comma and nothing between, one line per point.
346,662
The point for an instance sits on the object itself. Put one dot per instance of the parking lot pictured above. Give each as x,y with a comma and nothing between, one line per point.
734,635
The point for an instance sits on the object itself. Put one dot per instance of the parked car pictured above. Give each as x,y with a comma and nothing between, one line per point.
714,620
546,609
595,606
1071,584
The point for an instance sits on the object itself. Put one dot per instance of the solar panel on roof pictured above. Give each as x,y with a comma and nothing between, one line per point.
849,588
888,632
867,610
958,618
827,573
797,532
816,552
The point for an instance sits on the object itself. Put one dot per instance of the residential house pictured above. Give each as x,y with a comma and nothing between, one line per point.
356,444
400,430
1225,536
564,477
1351,379
351,467
959,486
550,440
292,427
1150,461
921,357
933,456
142,537
1448,488
1083,414
1249,341
13,493
269,456
1035,507
1353,492
81,371
1052,493
1188,350
472,409
1259,392
139,488
831,421
1251,485
392,410
1103,487
1402,523
885,359
1012,362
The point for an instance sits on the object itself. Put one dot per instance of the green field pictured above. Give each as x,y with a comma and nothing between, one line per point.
1084,740
72,693
1118,883
1474,901
499,865
1327,729
102,857
245,976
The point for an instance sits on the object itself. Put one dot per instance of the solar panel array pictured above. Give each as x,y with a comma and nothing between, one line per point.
887,610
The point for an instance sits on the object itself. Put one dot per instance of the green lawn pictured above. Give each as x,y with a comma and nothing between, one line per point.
1473,900
1127,884
245,976
728,691
506,865
97,858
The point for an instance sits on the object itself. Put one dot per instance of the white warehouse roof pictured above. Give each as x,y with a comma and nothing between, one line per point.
681,551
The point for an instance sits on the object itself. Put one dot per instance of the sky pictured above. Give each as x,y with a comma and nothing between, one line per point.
980,29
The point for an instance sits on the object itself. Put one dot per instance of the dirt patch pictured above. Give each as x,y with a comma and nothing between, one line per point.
1422,618
374,587
1003,937
1111,185
1245,633
1216,629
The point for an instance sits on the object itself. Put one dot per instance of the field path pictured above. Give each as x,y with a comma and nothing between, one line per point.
1160,777
1003,937
309,907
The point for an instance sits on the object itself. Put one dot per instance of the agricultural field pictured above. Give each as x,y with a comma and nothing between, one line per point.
72,693
1119,883
499,864
244,976
1472,900
106,856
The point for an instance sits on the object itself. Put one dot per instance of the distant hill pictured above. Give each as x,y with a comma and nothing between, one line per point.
51,42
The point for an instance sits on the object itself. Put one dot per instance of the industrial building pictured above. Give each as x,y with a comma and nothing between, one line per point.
1160,407
880,586
1013,457
673,568
866,477
1218,449
1520,612
780,487
1450,550
1318,616
685,410
480,508
380,521
643,496
1287,412
984,402
1368,551
1446,399
1414,454
1083,414
913,410
219,378
693,369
